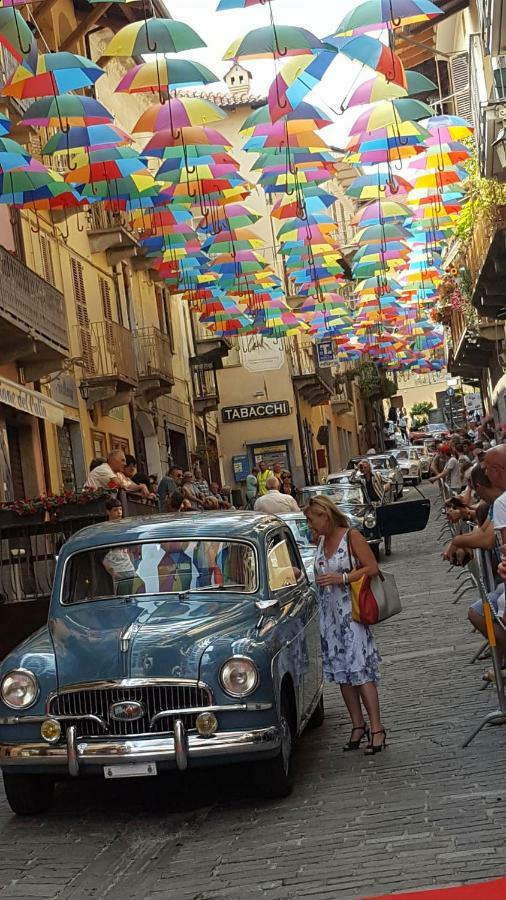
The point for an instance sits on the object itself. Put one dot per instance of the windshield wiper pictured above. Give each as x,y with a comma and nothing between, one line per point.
211,588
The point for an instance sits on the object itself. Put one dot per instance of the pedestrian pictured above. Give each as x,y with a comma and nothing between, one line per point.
168,484
252,487
131,471
349,652
113,509
451,472
403,425
287,486
190,492
277,470
201,484
274,502
377,490
176,502
219,495
110,476
389,435
262,477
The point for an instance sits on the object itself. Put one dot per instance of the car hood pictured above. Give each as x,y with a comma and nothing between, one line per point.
112,639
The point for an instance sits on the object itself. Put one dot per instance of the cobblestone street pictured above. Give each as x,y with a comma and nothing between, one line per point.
425,813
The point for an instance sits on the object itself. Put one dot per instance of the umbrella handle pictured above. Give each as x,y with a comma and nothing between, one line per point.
65,235
23,51
35,230
79,227
152,49
277,48
190,169
71,167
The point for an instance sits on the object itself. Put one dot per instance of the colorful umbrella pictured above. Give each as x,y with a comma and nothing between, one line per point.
273,41
15,34
178,112
395,12
150,77
69,109
390,113
368,51
55,73
153,36
79,138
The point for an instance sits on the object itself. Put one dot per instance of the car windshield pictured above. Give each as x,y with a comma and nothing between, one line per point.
402,454
167,567
301,531
346,493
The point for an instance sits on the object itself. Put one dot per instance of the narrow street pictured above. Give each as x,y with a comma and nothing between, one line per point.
425,813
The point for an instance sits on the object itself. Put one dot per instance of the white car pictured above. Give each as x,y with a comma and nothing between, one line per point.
410,464
425,458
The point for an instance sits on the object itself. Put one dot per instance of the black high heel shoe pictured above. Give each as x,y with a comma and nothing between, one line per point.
373,748
354,745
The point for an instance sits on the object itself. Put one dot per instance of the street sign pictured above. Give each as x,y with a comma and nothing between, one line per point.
325,353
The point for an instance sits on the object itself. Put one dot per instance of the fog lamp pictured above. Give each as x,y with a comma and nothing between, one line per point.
51,731
206,723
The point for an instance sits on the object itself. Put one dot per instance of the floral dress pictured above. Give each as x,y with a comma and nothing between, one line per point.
349,651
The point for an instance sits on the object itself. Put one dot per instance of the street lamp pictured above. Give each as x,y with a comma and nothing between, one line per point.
500,147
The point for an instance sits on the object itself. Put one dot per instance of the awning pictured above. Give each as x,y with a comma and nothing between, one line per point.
31,402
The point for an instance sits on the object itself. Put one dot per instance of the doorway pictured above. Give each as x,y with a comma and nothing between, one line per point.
148,450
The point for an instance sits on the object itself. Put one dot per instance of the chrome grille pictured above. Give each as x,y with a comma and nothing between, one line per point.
154,698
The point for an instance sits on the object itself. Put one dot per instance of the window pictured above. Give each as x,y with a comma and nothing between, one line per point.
119,443
83,319
283,567
108,310
168,567
47,259
99,445
164,314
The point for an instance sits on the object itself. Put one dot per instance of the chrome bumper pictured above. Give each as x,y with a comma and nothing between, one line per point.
179,748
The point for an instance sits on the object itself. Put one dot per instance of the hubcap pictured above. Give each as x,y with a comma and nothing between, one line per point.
286,744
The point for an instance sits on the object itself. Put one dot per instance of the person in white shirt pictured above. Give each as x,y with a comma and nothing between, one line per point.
451,473
274,502
109,475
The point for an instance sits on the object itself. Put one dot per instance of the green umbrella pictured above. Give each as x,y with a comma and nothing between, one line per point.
274,40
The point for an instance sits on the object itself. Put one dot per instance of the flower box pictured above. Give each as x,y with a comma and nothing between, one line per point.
91,509
10,519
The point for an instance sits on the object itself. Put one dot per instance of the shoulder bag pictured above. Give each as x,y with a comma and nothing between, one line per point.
373,599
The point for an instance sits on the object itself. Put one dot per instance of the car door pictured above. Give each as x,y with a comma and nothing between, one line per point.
299,640
403,517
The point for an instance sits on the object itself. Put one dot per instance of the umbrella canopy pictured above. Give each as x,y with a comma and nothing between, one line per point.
78,138
149,77
275,41
370,52
394,12
153,36
55,73
15,34
69,109
387,113
178,112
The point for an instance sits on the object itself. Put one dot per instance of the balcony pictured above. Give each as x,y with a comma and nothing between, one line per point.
207,346
205,386
33,330
314,383
154,363
493,26
487,79
110,366
108,233
486,263
473,348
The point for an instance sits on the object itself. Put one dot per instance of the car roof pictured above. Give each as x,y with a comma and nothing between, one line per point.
231,524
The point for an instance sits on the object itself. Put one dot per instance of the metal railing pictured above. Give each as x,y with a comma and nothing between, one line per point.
111,352
303,361
154,353
101,219
205,386
485,227
33,302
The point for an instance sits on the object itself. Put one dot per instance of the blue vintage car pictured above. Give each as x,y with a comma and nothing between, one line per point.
172,642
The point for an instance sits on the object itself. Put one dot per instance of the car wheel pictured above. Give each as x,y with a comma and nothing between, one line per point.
28,795
274,776
318,717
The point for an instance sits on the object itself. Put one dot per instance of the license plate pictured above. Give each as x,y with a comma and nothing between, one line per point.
130,770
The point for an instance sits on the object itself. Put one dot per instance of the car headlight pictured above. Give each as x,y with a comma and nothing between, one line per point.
414,470
370,520
19,689
239,676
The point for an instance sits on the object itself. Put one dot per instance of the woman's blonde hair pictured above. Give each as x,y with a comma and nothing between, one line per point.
326,505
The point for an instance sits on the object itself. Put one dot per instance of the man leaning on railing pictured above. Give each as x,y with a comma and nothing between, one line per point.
109,475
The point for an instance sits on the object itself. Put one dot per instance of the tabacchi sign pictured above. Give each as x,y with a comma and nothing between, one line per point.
268,410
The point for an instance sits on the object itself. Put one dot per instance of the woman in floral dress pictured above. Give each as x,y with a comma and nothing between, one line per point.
350,655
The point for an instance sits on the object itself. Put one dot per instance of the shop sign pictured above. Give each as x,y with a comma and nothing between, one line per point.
63,390
325,353
241,466
251,411
31,402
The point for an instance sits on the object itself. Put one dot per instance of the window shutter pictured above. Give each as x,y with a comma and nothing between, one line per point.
47,259
107,311
83,319
459,68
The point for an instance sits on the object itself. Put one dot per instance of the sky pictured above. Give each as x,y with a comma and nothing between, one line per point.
219,29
